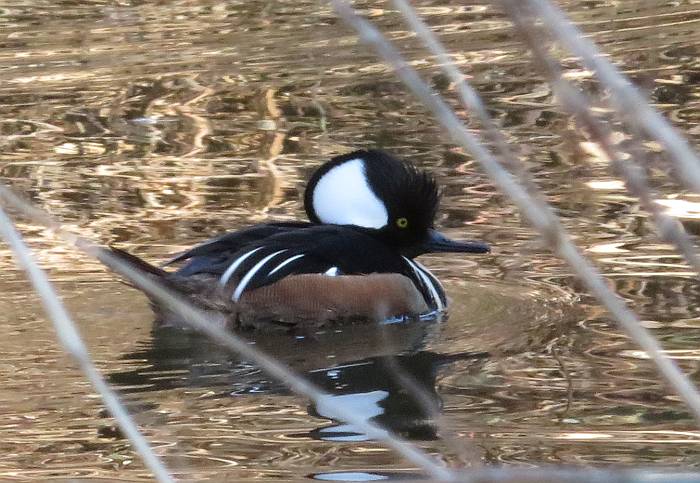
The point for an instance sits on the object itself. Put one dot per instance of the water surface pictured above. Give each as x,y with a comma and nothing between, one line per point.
153,126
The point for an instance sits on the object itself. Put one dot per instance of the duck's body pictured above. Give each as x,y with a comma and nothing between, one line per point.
371,215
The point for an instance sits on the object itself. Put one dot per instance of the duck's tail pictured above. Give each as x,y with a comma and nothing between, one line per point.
120,261
124,264
199,291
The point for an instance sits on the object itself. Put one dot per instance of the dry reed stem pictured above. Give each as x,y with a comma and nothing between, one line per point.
68,335
624,95
537,212
202,322
469,97
577,475
578,104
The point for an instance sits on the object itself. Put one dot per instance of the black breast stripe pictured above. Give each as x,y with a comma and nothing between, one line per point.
439,289
432,291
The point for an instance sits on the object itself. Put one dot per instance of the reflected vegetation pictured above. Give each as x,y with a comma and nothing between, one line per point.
154,127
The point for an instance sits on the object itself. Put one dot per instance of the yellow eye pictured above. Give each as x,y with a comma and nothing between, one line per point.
402,222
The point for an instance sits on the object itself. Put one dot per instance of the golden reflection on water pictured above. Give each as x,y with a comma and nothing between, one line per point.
153,127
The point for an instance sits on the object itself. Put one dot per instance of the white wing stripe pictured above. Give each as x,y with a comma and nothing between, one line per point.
234,265
285,263
428,283
251,273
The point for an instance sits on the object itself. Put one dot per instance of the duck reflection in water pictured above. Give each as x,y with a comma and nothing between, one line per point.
389,386
396,392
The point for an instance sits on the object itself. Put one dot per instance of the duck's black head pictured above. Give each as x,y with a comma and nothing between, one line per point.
388,198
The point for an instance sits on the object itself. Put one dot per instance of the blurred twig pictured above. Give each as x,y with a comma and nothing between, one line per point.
69,337
468,96
536,211
624,95
466,451
577,475
578,104
199,320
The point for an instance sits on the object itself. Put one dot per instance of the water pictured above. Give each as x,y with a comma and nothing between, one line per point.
152,127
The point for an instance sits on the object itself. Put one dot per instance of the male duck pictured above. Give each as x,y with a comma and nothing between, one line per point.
370,216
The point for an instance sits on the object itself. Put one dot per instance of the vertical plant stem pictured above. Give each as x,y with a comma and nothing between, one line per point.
69,337
202,322
578,104
537,212
624,95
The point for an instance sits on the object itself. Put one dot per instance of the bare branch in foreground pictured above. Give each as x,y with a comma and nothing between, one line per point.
578,104
205,324
465,450
201,322
539,214
577,475
628,99
68,335
669,229
469,97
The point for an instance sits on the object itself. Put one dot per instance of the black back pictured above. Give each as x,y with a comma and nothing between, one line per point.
212,256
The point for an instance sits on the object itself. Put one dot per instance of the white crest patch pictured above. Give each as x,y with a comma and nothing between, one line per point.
343,197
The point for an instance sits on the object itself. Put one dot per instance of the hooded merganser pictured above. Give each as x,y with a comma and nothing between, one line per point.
370,216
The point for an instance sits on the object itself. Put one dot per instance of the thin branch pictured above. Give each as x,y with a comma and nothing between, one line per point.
469,97
578,104
202,322
669,229
69,336
623,94
539,214
577,475
466,451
